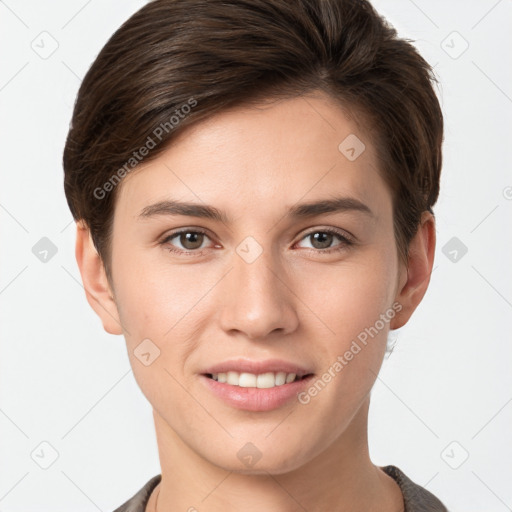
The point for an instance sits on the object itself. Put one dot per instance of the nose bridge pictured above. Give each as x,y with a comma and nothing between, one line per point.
258,301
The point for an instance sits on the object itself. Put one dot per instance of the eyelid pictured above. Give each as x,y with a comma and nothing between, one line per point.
186,229
191,229
332,230
346,242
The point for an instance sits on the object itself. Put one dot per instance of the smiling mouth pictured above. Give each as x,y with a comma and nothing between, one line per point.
261,381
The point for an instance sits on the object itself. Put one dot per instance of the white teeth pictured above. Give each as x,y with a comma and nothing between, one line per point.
251,380
281,378
264,380
290,377
247,380
233,378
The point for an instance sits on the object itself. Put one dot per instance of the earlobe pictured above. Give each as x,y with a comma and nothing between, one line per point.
94,278
420,262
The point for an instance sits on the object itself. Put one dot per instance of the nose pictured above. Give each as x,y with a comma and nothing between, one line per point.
257,299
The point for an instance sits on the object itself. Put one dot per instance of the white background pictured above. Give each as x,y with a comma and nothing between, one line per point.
443,394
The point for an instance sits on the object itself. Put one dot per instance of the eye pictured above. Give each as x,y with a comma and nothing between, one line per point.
191,240
322,240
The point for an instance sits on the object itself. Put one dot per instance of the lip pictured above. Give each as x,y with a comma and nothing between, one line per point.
256,399
249,366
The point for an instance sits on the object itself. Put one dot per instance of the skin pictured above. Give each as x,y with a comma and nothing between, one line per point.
295,302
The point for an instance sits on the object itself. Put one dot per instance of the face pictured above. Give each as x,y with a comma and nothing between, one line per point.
252,272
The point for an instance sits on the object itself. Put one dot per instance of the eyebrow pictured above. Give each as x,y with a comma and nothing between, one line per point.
303,210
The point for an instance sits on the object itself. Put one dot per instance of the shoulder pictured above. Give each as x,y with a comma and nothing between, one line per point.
138,502
416,498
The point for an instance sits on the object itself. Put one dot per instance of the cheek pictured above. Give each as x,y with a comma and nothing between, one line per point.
353,306
158,308
153,298
351,296
169,305
353,309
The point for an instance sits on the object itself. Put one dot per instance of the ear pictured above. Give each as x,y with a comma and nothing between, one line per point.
94,278
415,278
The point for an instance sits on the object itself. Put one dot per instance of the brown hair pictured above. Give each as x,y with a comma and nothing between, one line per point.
176,62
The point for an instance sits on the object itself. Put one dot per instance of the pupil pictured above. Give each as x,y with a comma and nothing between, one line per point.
324,240
191,240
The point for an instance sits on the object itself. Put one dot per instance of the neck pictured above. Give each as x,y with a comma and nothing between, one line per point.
340,479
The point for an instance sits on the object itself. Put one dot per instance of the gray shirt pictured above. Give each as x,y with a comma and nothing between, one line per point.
416,498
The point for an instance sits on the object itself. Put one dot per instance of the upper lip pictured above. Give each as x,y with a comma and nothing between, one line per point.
257,367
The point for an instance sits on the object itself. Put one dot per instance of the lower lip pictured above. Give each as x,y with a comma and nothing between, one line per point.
256,399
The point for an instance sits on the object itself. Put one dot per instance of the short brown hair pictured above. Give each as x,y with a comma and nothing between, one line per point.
210,55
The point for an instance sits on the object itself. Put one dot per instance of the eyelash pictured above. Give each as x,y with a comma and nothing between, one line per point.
345,241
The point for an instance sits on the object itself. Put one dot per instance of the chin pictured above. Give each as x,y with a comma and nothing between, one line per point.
251,461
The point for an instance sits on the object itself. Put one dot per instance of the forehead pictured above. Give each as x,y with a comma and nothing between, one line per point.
263,156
